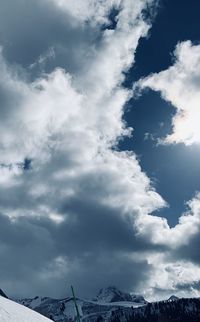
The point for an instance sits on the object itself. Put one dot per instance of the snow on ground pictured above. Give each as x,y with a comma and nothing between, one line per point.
70,310
119,303
32,303
14,312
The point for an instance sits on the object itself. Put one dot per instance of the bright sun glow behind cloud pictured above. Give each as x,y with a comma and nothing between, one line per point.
180,85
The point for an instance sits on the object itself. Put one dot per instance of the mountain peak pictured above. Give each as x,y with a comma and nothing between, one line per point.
112,294
173,298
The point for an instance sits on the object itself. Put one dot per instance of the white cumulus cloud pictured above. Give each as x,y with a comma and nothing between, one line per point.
179,85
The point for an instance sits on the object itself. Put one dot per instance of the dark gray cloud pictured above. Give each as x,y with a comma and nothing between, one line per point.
25,247
190,251
96,240
30,30
103,255
185,286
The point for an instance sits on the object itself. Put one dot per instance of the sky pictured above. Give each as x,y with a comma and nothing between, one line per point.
99,147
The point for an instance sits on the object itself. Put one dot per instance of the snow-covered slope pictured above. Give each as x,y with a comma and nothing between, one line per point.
14,312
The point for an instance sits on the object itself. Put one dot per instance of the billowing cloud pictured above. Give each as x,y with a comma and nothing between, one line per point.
179,267
74,209
179,85
175,268
158,230
78,193
170,276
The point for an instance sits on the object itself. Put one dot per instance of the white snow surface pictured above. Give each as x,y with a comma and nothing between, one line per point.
13,312
119,303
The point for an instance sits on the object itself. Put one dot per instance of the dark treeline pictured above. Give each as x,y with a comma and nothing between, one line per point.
182,310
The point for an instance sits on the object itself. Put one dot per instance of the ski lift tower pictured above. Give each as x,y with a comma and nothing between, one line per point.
76,306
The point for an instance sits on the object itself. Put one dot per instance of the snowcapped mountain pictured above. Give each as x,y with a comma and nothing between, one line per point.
12,312
173,298
63,310
112,294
